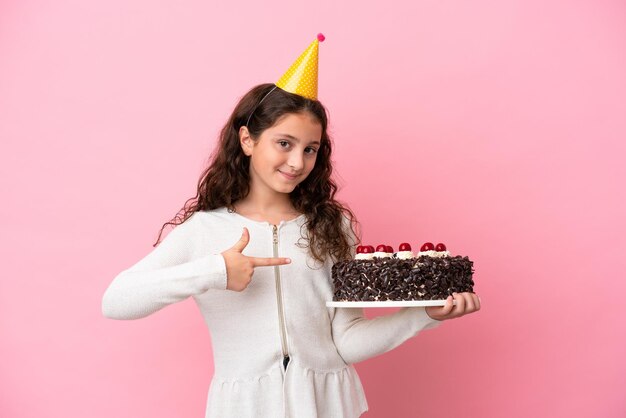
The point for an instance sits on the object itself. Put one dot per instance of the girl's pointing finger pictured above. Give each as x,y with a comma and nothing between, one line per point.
270,261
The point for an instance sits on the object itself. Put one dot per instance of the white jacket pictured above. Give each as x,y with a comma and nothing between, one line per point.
281,312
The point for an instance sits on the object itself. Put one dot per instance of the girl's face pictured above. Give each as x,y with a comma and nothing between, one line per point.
285,153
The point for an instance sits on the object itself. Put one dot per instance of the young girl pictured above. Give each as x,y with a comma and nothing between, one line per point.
255,251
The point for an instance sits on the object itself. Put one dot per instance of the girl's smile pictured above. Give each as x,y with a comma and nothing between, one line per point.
287,176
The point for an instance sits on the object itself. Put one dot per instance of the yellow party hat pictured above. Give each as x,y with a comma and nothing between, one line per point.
301,77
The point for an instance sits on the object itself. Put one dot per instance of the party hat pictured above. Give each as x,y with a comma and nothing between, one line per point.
301,77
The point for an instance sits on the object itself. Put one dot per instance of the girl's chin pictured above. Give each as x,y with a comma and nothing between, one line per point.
286,188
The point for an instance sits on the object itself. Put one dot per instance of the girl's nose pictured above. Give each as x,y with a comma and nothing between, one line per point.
295,162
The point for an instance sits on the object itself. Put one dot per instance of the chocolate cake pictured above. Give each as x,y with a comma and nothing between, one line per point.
382,275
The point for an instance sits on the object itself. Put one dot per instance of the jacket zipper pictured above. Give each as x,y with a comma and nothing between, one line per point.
281,312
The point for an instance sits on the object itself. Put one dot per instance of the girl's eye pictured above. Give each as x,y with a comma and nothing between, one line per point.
312,150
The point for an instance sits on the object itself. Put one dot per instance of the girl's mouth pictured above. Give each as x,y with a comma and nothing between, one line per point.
287,176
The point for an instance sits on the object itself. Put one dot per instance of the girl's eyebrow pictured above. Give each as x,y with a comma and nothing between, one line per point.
296,139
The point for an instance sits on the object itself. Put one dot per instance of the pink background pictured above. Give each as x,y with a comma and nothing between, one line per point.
496,127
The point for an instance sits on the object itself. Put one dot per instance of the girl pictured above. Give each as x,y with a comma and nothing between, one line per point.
255,250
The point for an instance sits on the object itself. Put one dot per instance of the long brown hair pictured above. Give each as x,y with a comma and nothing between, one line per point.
227,179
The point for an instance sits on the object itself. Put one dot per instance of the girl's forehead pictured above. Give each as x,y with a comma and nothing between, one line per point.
295,119
298,126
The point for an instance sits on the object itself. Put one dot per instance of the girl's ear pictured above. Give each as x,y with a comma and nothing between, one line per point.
245,140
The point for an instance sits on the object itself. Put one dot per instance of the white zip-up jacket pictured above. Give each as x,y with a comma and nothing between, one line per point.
282,313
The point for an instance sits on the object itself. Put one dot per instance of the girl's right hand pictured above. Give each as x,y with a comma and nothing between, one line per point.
239,267
466,303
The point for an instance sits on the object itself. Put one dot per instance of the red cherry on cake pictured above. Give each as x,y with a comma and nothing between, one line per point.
405,246
370,249
440,247
382,248
389,248
428,246
359,249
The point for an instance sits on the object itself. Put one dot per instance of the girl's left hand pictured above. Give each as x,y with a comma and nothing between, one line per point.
466,302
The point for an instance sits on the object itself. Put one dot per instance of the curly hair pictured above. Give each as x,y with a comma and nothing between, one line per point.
227,178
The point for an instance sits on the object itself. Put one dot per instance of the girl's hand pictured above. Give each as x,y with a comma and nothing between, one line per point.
466,302
239,267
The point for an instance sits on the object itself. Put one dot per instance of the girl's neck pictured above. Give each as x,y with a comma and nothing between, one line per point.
250,209
262,202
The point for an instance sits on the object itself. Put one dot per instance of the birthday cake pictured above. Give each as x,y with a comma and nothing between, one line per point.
385,275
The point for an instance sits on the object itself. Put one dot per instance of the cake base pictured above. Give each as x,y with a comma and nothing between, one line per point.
420,279
386,303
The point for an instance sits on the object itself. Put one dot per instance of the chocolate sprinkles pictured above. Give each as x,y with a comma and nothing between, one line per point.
394,279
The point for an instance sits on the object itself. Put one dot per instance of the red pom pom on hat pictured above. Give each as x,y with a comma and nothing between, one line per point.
320,37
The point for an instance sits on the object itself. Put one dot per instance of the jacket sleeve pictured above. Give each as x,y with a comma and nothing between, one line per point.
358,338
168,274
